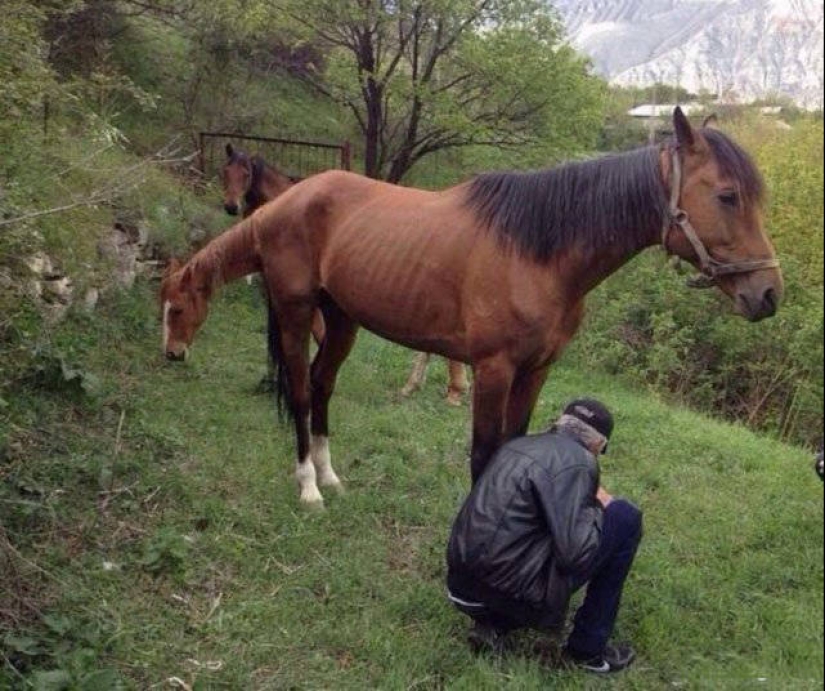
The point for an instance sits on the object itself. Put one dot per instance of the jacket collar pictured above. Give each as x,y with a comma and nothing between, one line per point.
570,434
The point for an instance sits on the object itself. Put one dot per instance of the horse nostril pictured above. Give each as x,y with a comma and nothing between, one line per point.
231,209
770,301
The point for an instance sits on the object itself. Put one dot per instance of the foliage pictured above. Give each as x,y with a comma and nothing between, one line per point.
791,162
165,552
645,324
25,74
428,76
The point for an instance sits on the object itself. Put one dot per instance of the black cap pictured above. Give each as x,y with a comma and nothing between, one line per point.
592,413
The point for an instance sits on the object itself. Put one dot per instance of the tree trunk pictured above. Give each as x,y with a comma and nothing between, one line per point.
372,97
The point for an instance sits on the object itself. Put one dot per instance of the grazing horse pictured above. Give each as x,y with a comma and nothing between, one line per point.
251,180
492,272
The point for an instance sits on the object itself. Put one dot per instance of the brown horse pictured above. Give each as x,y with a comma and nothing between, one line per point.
251,182
492,272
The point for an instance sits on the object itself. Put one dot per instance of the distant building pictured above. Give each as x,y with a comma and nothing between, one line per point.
651,110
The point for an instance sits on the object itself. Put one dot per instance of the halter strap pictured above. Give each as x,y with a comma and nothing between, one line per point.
711,268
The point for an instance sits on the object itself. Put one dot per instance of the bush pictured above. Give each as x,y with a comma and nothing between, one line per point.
646,325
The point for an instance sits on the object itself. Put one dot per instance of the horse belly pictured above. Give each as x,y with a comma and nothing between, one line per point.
403,284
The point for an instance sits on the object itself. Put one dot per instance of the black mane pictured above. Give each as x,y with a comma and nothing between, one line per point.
614,201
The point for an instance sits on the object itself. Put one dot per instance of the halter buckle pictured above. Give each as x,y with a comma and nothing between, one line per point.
679,217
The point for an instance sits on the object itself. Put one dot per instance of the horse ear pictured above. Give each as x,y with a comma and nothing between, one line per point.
230,151
685,136
711,121
186,278
172,266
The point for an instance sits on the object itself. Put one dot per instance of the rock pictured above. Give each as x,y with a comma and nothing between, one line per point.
58,290
90,299
117,246
40,264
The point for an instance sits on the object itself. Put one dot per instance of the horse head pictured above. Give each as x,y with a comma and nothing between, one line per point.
184,298
715,220
236,177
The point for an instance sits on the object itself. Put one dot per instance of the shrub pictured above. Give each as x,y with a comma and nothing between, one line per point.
644,324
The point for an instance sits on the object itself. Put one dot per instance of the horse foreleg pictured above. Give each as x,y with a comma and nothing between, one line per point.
339,339
417,374
523,396
492,380
457,385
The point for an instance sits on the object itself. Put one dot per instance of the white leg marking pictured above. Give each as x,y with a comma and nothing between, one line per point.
319,448
305,475
166,306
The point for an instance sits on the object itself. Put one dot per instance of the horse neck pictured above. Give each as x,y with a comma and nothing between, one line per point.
273,182
267,184
584,270
231,255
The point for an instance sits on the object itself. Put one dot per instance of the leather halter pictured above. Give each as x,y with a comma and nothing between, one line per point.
709,267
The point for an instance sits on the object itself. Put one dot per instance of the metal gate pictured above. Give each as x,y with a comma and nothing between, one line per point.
295,157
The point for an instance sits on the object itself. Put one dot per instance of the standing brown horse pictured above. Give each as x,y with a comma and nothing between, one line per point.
251,181
492,272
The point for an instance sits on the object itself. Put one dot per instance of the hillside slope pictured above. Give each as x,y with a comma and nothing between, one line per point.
158,533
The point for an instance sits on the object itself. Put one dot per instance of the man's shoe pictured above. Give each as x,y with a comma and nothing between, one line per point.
614,658
486,639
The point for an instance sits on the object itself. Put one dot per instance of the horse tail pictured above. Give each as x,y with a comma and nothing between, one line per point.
284,400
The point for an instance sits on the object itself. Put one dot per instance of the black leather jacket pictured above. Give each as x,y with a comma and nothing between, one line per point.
530,527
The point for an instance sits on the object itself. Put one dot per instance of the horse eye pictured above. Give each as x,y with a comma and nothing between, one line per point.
728,198
175,311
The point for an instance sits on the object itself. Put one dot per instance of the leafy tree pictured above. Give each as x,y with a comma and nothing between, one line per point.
424,76
25,74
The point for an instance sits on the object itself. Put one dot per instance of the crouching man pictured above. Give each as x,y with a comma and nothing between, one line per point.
536,527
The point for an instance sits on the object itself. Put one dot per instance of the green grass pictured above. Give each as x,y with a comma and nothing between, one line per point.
168,541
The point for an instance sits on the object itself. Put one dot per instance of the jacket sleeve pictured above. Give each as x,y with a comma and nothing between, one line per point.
573,515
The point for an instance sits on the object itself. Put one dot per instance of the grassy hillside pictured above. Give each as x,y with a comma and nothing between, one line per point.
157,533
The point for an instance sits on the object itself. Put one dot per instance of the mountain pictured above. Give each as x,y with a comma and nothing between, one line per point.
738,50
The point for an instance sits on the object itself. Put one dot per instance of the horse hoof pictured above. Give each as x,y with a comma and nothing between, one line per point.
312,505
454,398
311,498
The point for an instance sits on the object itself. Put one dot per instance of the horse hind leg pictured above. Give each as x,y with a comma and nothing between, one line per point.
289,348
336,346
457,385
417,374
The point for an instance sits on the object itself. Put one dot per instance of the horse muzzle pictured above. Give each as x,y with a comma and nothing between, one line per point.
176,356
759,305
231,209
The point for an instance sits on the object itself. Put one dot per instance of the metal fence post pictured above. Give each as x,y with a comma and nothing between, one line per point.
201,155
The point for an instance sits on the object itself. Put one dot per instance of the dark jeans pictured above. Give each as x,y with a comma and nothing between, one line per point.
594,620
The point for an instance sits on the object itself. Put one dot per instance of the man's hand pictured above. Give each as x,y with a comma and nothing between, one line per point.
603,497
